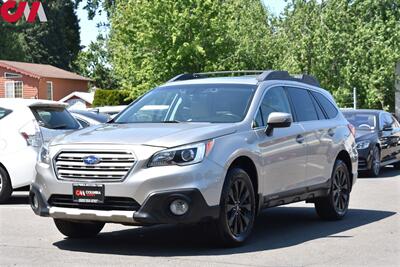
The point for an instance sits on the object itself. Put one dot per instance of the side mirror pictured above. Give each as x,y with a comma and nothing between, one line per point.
278,120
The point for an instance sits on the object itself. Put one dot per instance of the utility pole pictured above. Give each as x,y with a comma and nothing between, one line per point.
354,98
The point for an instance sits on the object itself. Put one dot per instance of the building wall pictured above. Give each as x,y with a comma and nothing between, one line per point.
30,85
61,87
37,88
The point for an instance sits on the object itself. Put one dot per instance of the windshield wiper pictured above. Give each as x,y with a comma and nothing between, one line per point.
59,127
171,121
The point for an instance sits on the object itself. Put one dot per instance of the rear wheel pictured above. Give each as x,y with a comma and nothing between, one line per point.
375,163
238,209
5,186
78,229
335,205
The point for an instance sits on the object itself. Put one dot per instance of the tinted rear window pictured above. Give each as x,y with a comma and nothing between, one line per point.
55,118
303,105
327,105
4,112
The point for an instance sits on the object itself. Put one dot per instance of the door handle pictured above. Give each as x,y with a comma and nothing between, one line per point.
300,139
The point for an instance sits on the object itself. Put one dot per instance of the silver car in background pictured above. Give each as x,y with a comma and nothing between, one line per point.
202,149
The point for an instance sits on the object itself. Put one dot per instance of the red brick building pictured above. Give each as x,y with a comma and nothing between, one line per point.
27,80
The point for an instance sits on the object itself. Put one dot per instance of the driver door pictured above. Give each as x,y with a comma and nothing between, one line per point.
284,152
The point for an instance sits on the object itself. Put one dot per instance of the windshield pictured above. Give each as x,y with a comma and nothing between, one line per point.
362,121
191,103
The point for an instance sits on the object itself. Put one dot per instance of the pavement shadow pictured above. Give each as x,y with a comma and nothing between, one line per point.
275,228
386,172
20,199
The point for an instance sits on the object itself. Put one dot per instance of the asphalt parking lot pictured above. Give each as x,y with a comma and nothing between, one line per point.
285,236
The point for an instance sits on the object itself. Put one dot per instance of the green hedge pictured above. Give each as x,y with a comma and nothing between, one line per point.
111,98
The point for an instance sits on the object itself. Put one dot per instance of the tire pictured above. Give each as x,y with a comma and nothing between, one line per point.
238,209
375,163
77,229
335,205
5,186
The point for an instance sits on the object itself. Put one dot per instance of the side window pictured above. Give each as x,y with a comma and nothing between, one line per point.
259,121
395,123
275,100
388,121
4,112
329,108
303,105
317,107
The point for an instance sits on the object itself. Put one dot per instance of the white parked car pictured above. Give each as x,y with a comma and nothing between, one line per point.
24,125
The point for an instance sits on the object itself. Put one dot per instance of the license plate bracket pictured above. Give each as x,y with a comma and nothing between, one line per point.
88,193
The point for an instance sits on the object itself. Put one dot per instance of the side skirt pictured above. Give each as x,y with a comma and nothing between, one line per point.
307,194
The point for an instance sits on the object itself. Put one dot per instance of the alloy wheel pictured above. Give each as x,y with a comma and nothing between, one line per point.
341,190
376,162
239,213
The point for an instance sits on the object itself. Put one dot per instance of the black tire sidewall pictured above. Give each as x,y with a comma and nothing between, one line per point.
340,164
6,189
372,171
222,223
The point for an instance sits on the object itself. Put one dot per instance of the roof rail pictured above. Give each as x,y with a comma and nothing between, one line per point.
190,76
308,79
284,75
263,76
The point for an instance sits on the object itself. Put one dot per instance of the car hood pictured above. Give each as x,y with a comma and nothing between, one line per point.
152,134
365,135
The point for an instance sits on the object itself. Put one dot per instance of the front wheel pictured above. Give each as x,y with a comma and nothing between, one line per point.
5,186
78,229
238,209
375,163
335,205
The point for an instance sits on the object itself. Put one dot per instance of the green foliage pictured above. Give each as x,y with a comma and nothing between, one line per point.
111,98
10,46
151,41
93,62
346,44
56,42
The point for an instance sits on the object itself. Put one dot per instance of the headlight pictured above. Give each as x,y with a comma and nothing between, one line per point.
363,144
44,156
183,155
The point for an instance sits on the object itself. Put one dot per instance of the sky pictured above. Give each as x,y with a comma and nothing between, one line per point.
89,30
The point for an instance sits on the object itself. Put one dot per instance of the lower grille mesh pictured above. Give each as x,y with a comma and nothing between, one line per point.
110,203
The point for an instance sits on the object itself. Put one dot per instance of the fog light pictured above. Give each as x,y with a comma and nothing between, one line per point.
179,207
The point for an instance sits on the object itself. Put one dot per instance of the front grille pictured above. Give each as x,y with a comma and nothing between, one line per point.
110,203
112,166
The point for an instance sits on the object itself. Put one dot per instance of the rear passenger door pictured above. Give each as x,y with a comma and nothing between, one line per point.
318,135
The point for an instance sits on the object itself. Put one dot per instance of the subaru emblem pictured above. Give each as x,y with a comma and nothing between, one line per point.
91,160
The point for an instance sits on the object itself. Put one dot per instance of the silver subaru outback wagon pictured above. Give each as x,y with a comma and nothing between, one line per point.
207,147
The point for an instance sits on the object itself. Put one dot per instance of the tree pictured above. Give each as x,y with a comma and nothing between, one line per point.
10,44
56,42
151,41
93,62
346,44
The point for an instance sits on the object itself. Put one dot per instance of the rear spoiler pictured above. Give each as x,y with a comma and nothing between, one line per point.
48,105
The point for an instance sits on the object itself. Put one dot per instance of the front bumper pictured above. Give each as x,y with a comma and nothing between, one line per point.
155,210
364,159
